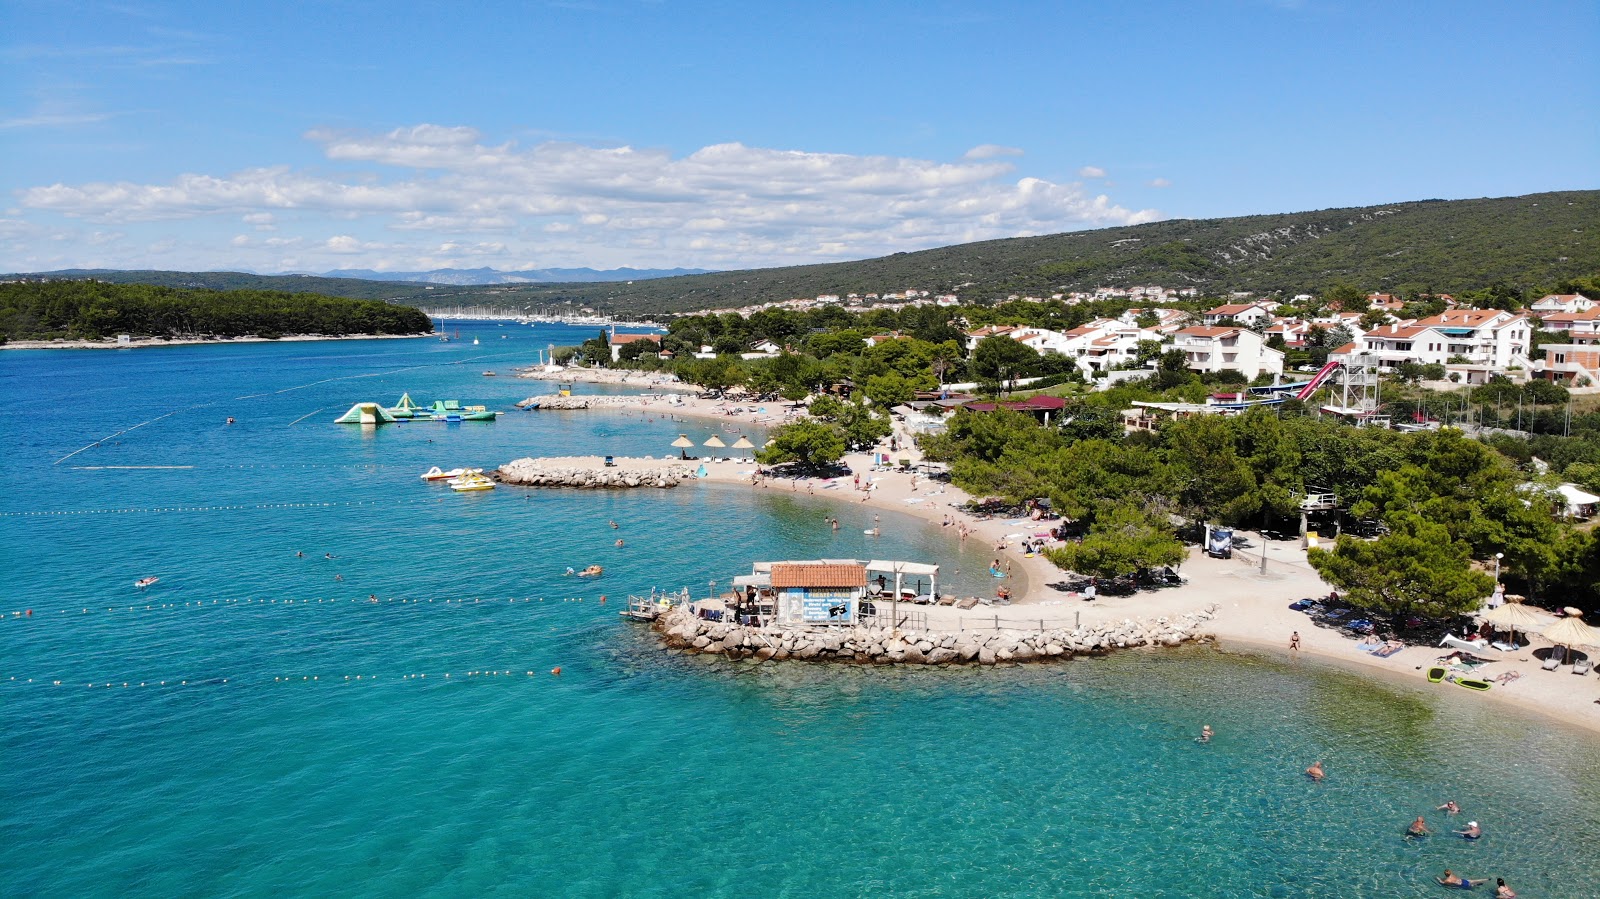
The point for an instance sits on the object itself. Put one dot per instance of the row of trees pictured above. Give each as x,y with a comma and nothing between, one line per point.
93,310
1443,497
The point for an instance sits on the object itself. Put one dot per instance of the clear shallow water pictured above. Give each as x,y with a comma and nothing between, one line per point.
637,772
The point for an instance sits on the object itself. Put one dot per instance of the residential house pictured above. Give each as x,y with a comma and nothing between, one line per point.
1562,302
1244,313
618,341
1573,363
1211,349
1481,342
1384,302
1580,327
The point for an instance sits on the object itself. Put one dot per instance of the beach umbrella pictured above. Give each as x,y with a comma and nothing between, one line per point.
743,443
1514,616
716,442
683,442
1571,632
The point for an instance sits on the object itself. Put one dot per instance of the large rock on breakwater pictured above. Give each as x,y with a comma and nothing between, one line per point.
559,403
535,473
882,646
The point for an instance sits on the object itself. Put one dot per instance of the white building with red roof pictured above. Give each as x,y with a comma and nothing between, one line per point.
1210,349
1243,313
1476,343
1562,302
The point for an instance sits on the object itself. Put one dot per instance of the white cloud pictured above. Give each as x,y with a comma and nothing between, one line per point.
565,203
1160,182
990,151
1091,171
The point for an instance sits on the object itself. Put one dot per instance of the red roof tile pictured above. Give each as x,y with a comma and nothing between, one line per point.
817,574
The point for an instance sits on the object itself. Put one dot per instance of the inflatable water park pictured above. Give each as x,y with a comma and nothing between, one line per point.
449,411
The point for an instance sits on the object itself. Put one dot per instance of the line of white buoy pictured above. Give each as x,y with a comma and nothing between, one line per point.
370,600
278,679
248,507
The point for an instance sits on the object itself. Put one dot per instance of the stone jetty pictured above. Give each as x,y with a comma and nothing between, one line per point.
530,472
559,403
882,646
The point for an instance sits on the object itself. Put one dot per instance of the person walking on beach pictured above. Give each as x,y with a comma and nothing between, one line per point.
1315,772
1294,641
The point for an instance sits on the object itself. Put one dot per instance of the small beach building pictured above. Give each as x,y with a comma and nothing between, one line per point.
827,591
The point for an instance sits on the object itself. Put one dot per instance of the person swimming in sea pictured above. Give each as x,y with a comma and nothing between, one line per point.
1205,734
1418,828
1449,808
1315,772
1501,891
1472,832
1455,880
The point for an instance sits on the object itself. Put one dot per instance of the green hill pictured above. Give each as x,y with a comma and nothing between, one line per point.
1435,245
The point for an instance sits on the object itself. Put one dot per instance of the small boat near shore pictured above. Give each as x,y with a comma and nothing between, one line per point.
436,474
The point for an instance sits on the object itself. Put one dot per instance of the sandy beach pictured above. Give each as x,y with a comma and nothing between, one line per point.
1252,607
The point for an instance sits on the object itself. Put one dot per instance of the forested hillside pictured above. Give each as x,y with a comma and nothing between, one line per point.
1426,246
92,310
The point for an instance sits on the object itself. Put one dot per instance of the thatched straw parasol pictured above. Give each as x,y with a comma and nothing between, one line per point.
1571,632
743,443
683,442
715,441
1514,616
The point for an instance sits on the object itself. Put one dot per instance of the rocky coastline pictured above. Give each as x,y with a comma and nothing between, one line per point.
529,472
861,645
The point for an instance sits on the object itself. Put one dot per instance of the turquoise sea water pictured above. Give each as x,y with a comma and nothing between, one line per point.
306,754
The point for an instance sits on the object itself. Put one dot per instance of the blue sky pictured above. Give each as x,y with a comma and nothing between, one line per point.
650,133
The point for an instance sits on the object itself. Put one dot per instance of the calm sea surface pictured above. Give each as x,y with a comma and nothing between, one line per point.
307,753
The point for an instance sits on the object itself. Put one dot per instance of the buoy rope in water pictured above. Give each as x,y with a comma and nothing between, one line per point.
244,507
196,605
446,676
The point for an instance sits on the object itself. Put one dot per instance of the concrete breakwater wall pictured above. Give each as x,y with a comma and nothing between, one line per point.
559,403
880,646
535,473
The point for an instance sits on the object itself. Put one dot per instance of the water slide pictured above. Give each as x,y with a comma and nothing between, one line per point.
1327,371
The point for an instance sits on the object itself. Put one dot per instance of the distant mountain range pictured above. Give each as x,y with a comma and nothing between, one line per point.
1527,242
464,277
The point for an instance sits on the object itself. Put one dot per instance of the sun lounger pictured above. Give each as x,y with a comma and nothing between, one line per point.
1554,661
967,603
1581,667
1463,645
1505,647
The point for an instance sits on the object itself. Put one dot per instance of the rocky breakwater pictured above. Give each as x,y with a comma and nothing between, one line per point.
541,473
559,403
881,646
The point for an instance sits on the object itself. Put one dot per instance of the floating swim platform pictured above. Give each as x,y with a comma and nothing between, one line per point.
1436,674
